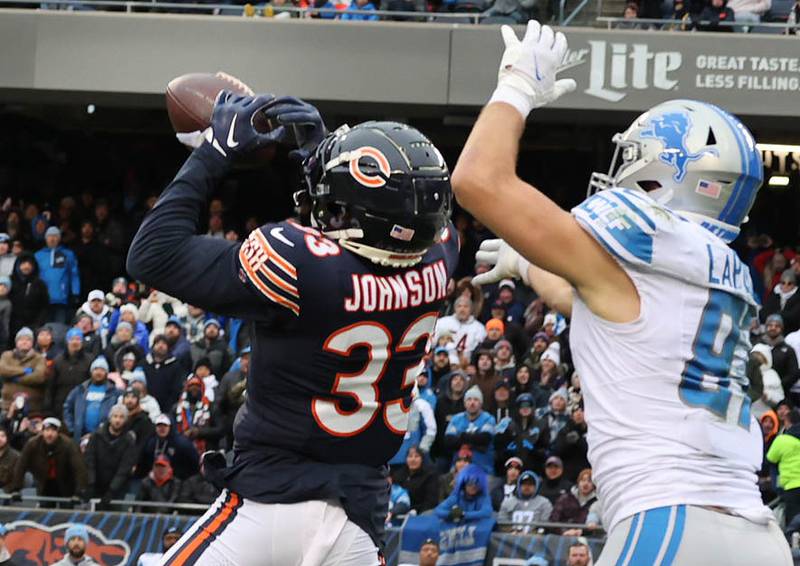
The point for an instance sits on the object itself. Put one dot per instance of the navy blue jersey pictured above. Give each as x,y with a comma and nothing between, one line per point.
332,375
337,342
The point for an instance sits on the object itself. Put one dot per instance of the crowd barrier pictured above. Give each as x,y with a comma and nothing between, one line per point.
35,537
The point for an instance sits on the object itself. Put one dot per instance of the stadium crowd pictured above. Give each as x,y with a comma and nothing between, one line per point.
111,390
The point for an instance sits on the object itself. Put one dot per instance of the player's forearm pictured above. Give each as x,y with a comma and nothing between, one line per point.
176,216
555,291
489,157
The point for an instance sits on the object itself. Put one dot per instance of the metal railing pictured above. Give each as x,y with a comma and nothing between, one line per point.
616,23
92,504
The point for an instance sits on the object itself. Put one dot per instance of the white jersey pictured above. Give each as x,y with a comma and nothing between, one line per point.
466,335
666,395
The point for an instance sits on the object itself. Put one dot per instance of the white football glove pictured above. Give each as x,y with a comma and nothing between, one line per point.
508,264
527,75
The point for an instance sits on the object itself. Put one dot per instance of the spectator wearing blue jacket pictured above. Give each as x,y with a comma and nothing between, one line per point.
399,502
88,404
474,428
58,268
469,500
360,5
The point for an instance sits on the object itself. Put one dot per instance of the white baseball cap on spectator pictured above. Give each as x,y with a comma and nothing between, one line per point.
51,421
96,295
163,419
550,318
507,283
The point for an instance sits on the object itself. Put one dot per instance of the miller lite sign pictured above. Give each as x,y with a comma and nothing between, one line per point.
615,67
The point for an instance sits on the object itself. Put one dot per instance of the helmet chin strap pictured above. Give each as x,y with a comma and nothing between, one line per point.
382,257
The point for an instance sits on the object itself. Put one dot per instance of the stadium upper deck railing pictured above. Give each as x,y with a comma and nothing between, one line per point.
645,23
260,8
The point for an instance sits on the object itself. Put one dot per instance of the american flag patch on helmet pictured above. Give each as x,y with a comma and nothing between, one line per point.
400,233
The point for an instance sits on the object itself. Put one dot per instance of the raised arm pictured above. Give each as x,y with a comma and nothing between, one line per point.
167,253
485,180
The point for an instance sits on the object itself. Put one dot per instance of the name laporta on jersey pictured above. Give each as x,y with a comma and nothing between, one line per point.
727,270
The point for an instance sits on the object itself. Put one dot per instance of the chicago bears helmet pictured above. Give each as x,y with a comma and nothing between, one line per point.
692,157
382,189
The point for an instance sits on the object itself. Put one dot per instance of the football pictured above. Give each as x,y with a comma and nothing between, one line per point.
191,98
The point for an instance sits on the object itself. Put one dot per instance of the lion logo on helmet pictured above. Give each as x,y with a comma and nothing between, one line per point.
672,129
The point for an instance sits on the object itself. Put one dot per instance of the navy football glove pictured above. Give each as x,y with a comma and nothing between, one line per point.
305,121
232,132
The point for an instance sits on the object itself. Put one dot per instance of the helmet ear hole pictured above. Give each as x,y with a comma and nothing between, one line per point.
648,186
711,139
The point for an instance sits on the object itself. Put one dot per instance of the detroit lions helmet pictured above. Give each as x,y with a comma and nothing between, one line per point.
692,157
382,189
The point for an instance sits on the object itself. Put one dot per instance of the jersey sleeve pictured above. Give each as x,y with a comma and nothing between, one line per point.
269,259
622,222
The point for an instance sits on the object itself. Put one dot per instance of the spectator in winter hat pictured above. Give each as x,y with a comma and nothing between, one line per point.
129,313
785,301
23,371
475,428
53,460
549,325
96,308
515,311
524,436
526,506
160,485
89,403
449,403
149,403
440,366
501,405
180,450
538,346
494,331
203,369
179,346
195,416
766,389
70,368
76,542
59,270
556,415
550,372
504,364
213,347
501,492
110,456
138,420
784,359
7,259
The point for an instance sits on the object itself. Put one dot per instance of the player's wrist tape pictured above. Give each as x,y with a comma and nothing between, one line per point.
512,96
522,266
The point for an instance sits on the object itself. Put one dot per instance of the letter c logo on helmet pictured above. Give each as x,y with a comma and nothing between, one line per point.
366,179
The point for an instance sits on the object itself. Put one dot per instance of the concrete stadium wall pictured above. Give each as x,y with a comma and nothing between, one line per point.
438,65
